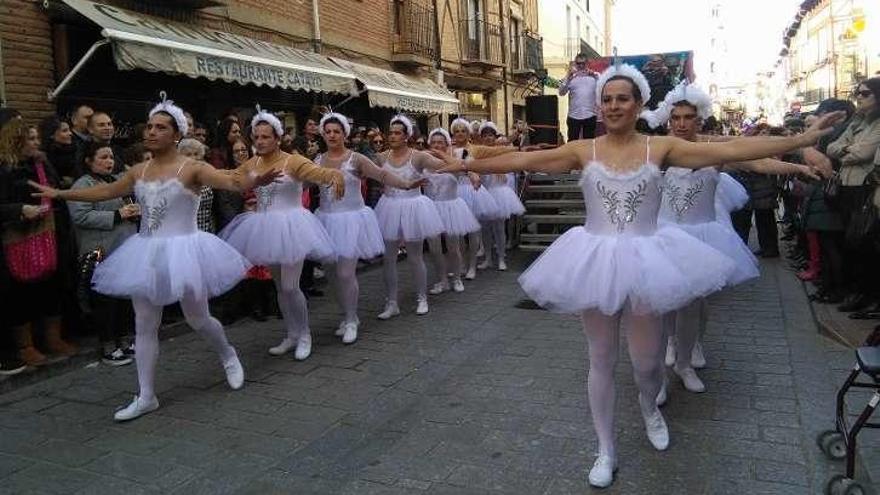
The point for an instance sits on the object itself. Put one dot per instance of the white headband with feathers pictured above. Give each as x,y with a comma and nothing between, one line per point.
489,125
335,117
684,91
265,117
403,120
625,70
460,122
176,113
441,132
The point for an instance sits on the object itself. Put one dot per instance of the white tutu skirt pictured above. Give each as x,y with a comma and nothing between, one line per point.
279,237
507,201
480,201
457,217
655,274
411,218
730,196
355,234
723,238
164,269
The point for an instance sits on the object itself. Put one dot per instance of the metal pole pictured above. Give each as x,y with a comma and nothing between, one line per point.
53,93
505,46
316,30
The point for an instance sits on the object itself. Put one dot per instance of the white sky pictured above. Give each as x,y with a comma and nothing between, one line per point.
752,28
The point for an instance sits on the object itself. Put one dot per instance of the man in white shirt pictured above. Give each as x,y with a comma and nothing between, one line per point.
580,86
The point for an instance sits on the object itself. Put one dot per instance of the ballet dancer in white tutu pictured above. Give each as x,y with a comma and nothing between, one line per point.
620,265
478,199
280,233
406,215
693,200
353,228
458,220
507,205
169,260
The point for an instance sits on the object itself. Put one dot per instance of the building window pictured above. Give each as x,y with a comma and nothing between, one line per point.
398,13
515,43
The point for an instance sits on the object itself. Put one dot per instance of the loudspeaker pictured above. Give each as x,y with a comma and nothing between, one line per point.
542,114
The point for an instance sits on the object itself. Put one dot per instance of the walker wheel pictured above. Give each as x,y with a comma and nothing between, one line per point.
841,485
834,446
820,438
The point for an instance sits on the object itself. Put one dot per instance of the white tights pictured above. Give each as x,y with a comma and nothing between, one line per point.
291,300
687,324
416,264
494,235
347,289
451,261
473,247
148,317
646,347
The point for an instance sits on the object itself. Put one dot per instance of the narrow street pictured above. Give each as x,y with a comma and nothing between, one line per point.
477,397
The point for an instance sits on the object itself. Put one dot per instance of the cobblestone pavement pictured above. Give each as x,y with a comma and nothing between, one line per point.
477,397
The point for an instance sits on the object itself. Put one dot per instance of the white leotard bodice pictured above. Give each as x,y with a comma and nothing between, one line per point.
689,195
351,200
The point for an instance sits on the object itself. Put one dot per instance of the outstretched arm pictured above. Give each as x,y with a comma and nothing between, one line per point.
305,170
237,181
772,166
369,169
100,192
559,160
681,153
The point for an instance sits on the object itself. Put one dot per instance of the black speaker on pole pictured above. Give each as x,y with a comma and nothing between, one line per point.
542,115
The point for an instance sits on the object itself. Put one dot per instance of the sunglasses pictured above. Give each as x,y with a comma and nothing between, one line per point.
864,93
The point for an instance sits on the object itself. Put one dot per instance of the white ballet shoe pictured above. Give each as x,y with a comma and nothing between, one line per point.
602,473
502,266
658,432
422,305
670,351
136,409
698,360
439,288
391,310
283,347
340,330
662,396
350,333
457,285
303,347
471,273
234,373
690,380
486,263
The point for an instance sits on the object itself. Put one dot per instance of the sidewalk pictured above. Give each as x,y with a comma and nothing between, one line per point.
477,397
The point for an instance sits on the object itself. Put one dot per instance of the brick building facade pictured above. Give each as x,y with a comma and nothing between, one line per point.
481,54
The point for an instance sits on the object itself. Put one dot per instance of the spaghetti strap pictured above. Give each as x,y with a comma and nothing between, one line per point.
180,168
144,170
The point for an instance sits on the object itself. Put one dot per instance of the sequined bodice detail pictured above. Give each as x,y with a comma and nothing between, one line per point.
168,208
689,195
407,172
621,203
441,187
352,200
283,194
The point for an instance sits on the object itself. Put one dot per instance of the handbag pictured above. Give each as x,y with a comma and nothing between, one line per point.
32,252
831,188
863,221
87,263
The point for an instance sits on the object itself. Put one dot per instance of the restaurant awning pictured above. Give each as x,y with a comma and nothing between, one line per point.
394,90
151,43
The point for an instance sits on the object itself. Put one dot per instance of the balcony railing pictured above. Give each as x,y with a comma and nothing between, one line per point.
413,38
527,54
481,42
